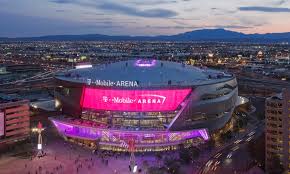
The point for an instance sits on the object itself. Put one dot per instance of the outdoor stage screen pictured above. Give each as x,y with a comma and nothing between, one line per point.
133,100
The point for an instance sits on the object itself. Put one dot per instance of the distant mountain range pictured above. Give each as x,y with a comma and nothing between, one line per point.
196,35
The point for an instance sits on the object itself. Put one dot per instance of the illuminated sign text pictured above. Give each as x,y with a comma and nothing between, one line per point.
133,100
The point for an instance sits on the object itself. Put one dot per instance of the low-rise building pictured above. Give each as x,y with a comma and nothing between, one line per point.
14,121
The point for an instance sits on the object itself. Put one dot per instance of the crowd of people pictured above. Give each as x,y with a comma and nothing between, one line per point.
88,123
81,164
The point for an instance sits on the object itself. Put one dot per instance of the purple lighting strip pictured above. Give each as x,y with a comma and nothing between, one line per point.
92,133
145,63
203,133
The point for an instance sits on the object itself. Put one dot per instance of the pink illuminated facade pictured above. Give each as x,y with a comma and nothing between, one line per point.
133,100
144,112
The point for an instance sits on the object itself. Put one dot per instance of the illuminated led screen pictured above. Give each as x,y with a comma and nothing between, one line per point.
133,100
2,123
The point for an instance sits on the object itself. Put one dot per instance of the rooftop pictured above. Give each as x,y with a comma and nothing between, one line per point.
7,98
147,73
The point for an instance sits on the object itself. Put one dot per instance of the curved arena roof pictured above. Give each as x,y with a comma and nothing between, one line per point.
147,73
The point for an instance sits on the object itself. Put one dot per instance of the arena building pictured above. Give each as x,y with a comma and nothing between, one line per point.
151,105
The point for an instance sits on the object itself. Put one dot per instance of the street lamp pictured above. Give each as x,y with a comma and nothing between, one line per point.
131,148
39,129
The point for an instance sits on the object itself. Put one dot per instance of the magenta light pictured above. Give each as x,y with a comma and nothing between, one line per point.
203,133
133,100
145,63
63,125
72,130
75,130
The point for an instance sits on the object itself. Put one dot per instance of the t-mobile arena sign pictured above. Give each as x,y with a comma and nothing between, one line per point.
133,100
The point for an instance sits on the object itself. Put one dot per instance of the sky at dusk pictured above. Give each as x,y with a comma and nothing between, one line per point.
20,18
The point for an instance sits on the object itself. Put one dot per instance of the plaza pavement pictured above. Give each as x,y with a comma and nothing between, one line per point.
64,158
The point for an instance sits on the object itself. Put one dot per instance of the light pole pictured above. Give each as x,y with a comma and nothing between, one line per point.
131,149
39,129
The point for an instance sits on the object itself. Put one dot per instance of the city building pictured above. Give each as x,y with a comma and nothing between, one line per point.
260,55
14,121
157,104
23,68
277,130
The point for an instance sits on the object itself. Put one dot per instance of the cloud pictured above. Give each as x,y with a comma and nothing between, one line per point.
131,11
191,9
179,22
169,27
281,2
185,19
93,13
265,9
230,26
100,19
59,11
152,2
221,11
112,23
249,21
104,26
21,26
124,9
197,27
63,1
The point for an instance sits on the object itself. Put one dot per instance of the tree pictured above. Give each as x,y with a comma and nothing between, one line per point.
184,155
235,128
229,134
226,136
257,150
210,144
240,123
173,166
194,152
276,166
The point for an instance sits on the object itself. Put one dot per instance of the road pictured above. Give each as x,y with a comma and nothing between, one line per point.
267,82
235,157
